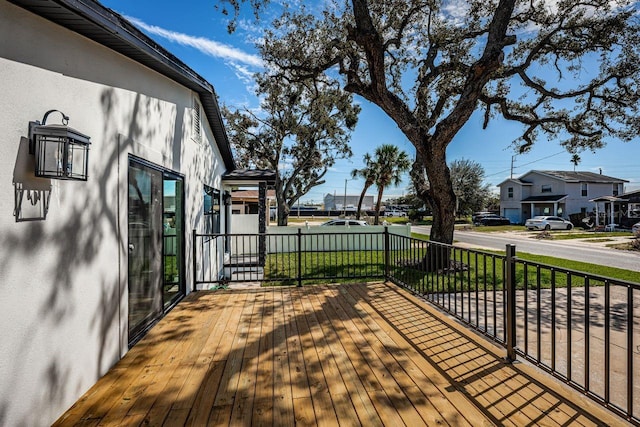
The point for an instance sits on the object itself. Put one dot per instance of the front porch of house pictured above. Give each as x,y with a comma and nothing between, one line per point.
351,354
543,205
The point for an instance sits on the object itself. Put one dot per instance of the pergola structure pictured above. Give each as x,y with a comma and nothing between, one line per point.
261,178
611,200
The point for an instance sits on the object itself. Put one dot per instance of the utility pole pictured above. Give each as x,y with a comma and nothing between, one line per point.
512,160
344,205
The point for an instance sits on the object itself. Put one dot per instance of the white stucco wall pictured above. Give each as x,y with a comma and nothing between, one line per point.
63,279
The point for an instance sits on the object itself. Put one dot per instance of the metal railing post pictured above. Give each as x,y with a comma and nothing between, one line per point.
194,261
299,274
387,269
510,266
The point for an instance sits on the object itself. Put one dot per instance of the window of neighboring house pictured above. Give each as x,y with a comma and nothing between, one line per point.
546,211
584,189
196,121
211,210
546,188
634,210
510,192
583,211
615,189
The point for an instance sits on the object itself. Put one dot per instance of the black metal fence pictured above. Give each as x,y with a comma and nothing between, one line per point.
289,258
579,327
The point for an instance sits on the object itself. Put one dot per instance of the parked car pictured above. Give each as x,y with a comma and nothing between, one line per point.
344,222
492,220
635,228
395,213
548,223
476,216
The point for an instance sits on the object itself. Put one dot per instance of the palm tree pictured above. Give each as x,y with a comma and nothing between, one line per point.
368,172
390,163
575,159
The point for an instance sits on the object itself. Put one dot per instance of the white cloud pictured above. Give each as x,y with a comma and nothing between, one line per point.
244,74
206,46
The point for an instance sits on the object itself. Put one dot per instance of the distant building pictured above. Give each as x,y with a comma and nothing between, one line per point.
246,201
350,202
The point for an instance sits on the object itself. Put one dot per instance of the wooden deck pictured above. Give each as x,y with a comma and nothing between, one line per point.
322,355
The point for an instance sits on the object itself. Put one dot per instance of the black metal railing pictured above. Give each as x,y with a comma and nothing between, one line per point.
579,327
309,257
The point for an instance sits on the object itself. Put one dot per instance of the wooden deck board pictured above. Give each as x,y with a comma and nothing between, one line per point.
328,355
322,404
347,351
283,414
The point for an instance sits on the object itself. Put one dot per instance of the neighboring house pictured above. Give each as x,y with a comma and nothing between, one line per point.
87,266
631,209
350,202
559,193
244,202
621,210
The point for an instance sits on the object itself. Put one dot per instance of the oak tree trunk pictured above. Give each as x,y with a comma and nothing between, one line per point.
442,201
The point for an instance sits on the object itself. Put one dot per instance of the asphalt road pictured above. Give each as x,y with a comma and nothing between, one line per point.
568,249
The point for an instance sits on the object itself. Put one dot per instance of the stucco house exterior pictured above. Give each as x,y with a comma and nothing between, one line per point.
559,193
88,265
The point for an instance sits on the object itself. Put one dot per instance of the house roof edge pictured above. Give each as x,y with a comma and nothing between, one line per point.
113,31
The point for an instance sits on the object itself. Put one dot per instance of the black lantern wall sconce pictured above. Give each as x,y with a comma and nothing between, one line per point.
61,152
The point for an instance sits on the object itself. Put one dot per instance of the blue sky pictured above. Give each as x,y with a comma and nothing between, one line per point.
196,33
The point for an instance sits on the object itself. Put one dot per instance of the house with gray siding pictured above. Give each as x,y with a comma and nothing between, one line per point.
558,193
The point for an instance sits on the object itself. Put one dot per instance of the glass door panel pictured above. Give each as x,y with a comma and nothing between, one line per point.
173,236
145,247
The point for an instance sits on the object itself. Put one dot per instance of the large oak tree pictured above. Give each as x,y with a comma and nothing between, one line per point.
564,70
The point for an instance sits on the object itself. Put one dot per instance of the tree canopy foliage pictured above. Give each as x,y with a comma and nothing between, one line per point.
472,194
299,131
564,70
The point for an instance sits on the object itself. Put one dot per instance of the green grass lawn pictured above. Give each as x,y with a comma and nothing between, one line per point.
495,228
568,235
318,267
601,270
556,234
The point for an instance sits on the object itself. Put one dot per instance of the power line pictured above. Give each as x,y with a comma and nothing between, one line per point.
525,164
544,158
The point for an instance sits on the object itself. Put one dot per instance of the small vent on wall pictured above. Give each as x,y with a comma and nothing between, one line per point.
195,119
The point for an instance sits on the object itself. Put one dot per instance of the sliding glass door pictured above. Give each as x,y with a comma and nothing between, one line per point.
173,240
156,244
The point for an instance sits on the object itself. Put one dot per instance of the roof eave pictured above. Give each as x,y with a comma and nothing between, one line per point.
109,29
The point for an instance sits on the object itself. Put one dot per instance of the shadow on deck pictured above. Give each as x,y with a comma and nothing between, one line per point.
365,354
